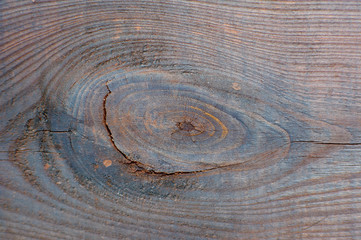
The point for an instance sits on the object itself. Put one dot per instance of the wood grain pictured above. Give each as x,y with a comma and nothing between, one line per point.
180,119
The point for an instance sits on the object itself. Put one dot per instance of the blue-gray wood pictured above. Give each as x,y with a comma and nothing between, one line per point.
141,119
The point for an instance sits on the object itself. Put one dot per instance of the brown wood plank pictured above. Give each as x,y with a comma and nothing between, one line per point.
180,119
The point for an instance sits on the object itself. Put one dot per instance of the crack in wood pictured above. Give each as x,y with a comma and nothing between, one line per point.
54,131
328,143
139,167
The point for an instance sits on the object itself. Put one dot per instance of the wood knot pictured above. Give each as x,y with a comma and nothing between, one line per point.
186,126
177,128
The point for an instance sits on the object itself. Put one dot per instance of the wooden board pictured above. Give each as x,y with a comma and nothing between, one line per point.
180,119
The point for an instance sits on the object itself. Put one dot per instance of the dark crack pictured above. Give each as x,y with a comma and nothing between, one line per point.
52,131
315,223
327,143
139,167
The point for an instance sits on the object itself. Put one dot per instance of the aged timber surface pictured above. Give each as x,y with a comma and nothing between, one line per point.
180,119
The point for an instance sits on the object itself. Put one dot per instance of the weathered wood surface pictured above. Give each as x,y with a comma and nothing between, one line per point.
180,119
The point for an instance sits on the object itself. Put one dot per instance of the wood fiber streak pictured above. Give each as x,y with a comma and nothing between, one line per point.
180,119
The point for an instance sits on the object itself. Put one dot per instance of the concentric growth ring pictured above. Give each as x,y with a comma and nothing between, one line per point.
168,126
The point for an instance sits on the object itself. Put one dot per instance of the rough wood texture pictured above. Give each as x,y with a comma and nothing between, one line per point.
180,119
